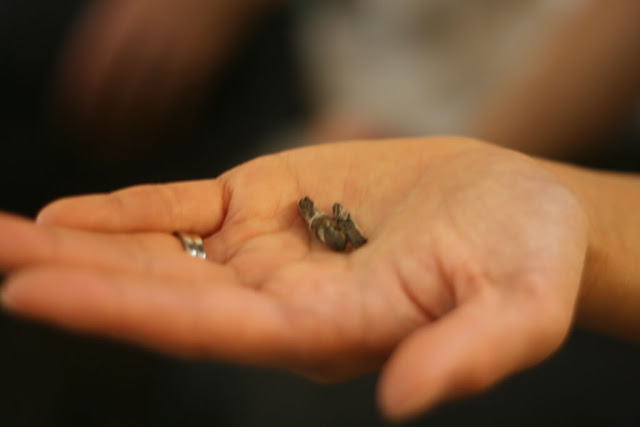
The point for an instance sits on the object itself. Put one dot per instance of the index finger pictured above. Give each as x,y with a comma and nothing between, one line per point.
195,206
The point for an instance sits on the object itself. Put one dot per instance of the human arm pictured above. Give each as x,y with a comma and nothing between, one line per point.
610,291
581,82
128,66
472,270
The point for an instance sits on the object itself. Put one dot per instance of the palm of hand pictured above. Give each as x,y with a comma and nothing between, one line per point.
472,251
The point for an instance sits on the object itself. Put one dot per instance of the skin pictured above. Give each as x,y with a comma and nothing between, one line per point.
576,90
477,260
131,65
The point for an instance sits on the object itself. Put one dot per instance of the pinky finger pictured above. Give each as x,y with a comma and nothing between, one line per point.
218,320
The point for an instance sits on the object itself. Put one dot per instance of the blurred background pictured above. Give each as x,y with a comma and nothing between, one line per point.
96,95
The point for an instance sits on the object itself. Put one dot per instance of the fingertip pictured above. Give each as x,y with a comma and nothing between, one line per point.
12,294
8,296
47,214
58,212
397,408
401,394
91,212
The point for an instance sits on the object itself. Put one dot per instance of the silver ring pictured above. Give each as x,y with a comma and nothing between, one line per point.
192,244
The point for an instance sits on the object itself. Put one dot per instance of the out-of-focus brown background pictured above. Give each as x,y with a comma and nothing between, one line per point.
96,95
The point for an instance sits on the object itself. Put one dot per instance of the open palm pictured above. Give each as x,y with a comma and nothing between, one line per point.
471,271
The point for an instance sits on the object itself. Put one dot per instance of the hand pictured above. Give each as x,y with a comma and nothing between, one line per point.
130,65
471,271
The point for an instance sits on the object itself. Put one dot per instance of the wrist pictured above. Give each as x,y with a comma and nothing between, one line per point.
609,299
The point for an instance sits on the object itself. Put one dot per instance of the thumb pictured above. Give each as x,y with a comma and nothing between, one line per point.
468,351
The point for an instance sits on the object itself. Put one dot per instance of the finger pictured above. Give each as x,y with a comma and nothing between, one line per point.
219,320
466,352
159,255
195,206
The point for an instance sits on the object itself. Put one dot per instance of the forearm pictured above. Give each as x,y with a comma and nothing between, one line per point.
610,293
584,81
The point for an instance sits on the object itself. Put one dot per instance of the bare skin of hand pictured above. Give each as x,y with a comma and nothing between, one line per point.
471,271
130,63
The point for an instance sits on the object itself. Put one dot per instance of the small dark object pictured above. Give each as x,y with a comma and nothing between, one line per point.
334,232
348,225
